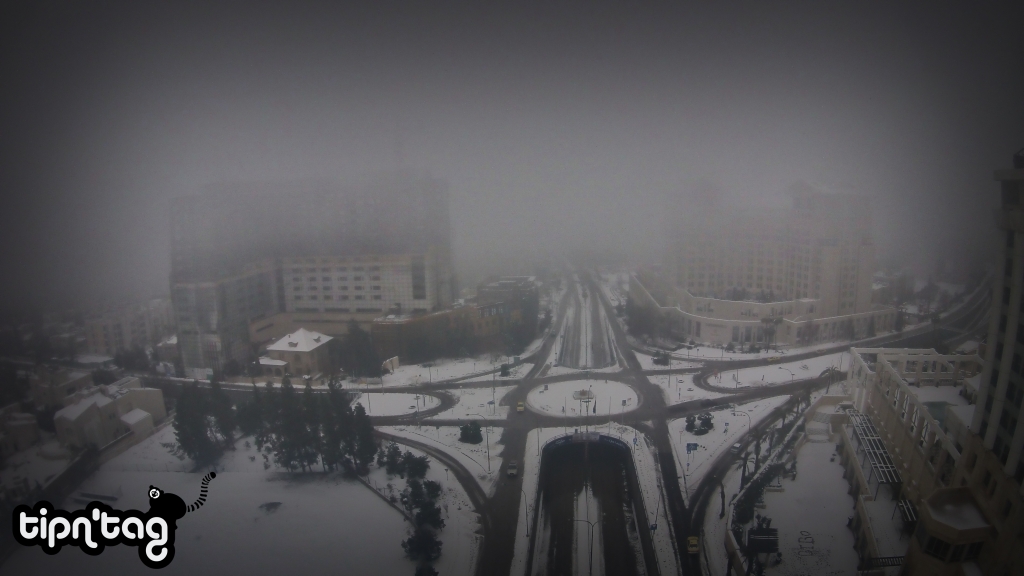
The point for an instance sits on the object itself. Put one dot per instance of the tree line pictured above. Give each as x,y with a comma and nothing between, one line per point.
300,430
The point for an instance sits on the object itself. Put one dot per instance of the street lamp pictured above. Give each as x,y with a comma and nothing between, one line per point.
590,568
735,412
791,375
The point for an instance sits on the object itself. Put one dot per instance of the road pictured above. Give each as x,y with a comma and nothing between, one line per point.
591,335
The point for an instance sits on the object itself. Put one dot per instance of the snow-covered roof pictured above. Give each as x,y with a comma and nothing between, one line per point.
956,508
78,408
135,416
301,340
271,362
170,340
89,359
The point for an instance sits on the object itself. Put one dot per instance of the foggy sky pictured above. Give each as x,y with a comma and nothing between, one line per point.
558,126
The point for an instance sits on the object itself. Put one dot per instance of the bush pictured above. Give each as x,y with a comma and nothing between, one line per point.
470,433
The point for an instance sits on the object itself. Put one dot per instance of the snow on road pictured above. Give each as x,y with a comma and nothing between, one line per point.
557,399
515,373
394,404
648,477
782,373
473,456
726,431
476,404
679,388
255,521
647,362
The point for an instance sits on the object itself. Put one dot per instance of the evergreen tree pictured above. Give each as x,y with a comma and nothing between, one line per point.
432,490
250,414
393,463
223,413
192,425
429,515
425,570
470,433
366,444
290,430
312,443
415,466
422,545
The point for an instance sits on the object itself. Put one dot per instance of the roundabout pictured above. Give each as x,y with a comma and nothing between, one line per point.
583,397
395,403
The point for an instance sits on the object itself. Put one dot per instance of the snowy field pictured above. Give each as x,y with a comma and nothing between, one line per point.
557,400
476,404
782,373
727,431
394,404
473,456
322,522
460,541
679,388
440,370
810,514
648,477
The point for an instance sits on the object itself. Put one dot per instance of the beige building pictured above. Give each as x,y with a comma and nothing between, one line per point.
102,414
743,322
135,326
51,387
930,498
18,430
305,352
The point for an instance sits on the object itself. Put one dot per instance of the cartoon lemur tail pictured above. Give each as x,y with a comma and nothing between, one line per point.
202,492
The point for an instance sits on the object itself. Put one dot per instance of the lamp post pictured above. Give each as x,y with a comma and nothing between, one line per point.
792,376
735,412
590,568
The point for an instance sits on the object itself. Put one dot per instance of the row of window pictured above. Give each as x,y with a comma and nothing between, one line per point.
329,297
329,278
339,269
329,288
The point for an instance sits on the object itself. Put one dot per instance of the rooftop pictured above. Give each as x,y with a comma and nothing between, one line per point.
136,415
301,340
956,508
271,362
78,408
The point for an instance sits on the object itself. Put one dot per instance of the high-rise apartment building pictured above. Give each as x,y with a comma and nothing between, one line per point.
317,253
1002,390
820,248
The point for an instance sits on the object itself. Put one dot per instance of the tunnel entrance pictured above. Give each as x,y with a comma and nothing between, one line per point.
590,518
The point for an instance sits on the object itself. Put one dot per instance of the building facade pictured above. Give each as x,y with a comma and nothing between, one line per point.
1002,391
303,353
127,327
99,415
331,253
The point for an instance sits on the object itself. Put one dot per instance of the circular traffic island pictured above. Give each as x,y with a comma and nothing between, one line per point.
394,403
578,397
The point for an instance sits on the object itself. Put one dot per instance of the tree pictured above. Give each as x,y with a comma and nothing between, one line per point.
470,433
250,414
393,463
429,515
192,427
691,423
432,489
425,570
222,412
366,444
415,466
358,355
290,430
422,545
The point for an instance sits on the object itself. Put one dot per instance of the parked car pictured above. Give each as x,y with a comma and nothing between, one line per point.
513,469
693,545
520,407
736,448
774,359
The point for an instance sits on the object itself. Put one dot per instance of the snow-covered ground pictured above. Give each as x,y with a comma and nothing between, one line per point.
460,541
473,456
679,388
727,429
394,404
557,400
476,404
810,514
782,373
648,477
647,362
37,464
321,523
439,370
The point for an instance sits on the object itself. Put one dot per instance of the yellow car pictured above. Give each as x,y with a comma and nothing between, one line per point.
774,359
520,407
693,545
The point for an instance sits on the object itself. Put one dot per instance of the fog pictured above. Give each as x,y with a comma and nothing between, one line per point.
558,128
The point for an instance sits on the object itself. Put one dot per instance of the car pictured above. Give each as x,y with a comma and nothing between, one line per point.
774,359
736,448
693,545
520,406
513,469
